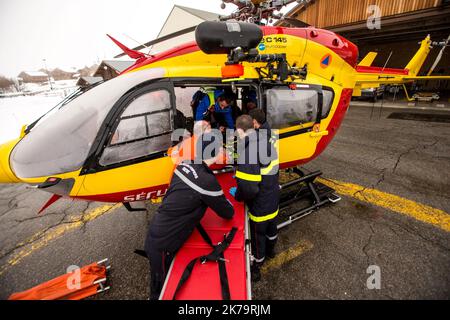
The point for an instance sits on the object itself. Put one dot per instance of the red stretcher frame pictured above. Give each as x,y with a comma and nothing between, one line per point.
92,279
204,282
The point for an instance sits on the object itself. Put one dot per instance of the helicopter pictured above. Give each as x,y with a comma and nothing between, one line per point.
110,143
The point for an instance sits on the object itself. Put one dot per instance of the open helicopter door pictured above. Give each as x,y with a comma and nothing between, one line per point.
133,142
297,112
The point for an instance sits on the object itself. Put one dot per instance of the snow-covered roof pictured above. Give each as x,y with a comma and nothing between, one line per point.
90,80
118,65
69,70
35,73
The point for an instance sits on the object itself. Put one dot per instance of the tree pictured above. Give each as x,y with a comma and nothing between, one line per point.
88,71
5,83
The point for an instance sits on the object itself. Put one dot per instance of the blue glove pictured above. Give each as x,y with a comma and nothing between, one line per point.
233,191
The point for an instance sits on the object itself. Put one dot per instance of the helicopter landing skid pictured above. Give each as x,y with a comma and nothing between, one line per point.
304,189
128,206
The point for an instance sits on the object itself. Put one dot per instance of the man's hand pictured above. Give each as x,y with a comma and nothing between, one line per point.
233,191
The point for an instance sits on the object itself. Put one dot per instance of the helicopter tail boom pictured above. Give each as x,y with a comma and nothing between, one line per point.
373,77
416,63
368,59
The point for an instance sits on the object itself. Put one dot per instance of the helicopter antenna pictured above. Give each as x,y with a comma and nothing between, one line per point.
375,93
381,106
387,60
139,43
161,39
373,105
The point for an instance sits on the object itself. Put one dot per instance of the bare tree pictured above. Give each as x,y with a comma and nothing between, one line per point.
5,83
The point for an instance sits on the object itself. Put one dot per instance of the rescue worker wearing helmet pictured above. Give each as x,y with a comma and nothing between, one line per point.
257,184
193,188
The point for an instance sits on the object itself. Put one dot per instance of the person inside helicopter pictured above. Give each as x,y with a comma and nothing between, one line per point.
249,100
214,106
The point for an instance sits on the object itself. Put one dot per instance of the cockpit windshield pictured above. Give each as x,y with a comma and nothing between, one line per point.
61,142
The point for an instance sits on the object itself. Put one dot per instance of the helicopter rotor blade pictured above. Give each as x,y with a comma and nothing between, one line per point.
161,39
439,56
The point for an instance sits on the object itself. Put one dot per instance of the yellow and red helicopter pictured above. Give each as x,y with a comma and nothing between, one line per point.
110,143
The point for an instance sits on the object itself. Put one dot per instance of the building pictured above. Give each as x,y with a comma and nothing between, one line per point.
63,74
181,18
88,71
32,77
109,69
87,81
403,25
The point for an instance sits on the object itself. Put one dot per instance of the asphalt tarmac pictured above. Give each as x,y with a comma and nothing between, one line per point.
381,166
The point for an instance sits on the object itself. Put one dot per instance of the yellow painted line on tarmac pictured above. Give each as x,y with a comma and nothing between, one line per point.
43,238
286,256
392,202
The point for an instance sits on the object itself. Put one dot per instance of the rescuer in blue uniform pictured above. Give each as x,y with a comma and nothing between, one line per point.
215,107
192,190
257,184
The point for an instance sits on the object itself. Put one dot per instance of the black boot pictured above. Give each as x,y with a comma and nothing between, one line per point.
255,272
155,288
270,249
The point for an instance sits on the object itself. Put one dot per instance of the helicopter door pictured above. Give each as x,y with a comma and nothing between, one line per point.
133,164
144,128
294,111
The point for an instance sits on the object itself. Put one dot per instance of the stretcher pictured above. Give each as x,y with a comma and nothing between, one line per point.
92,280
305,187
204,282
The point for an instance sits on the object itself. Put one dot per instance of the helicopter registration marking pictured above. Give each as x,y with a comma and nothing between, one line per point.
273,43
274,40
146,195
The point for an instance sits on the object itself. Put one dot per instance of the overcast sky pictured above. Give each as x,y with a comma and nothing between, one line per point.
72,33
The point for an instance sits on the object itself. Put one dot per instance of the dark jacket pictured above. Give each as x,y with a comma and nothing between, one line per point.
258,184
192,190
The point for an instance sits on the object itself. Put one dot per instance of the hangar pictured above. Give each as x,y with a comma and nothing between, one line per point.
178,19
403,24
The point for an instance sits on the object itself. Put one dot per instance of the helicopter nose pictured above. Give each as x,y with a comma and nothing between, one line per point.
4,178
6,174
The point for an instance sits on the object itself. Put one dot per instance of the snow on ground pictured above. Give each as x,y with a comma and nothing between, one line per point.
44,87
18,111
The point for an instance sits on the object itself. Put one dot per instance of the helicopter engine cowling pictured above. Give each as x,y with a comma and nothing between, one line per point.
222,37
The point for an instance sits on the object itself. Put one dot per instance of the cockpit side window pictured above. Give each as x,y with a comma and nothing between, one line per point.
61,141
144,128
287,108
